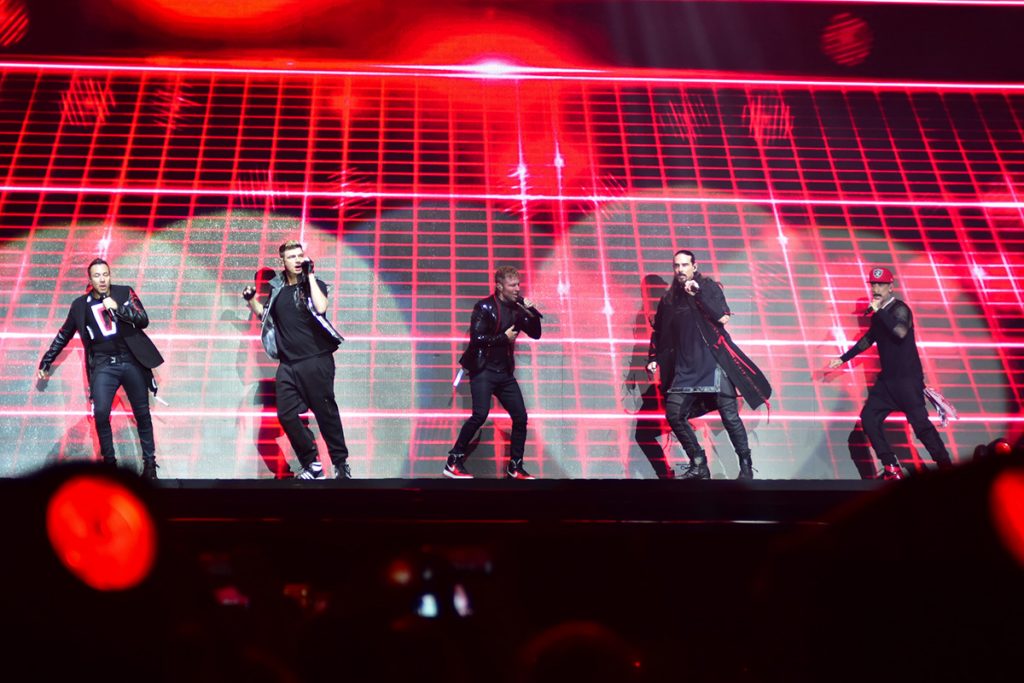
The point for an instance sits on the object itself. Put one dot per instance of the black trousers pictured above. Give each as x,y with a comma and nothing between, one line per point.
907,397
309,385
483,386
677,407
110,373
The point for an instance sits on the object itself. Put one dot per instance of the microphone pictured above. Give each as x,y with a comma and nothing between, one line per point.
106,311
521,303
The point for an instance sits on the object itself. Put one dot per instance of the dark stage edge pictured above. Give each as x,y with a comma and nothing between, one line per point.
441,501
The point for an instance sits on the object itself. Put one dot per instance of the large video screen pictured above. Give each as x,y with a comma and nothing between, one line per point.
410,186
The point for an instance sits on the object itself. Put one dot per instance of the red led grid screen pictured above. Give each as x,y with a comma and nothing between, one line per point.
410,186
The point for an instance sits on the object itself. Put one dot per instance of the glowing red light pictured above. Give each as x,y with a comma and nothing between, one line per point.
102,533
13,22
1007,501
847,39
86,102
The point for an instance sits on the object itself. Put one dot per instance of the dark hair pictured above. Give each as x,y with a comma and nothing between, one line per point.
693,259
503,273
96,262
288,246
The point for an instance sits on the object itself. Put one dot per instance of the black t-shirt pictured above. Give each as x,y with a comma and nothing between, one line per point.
498,356
695,365
103,330
297,335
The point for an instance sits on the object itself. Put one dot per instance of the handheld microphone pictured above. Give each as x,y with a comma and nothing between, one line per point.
532,313
106,311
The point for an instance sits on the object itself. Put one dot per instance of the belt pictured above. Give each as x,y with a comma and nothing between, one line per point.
119,359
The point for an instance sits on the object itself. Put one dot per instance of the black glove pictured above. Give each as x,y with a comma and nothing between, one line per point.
307,267
248,293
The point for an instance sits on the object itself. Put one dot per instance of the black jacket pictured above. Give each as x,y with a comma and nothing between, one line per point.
487,331
711,306
133,319
892,329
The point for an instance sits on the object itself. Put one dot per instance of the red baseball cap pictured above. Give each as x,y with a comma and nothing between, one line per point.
881,275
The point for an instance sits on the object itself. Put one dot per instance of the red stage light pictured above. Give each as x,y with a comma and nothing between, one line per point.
102,533
13,22
1007,502
213,10
847,39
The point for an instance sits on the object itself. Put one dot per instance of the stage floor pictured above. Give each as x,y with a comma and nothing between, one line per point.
404,501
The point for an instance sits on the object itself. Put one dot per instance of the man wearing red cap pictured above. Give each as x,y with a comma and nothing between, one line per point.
900,384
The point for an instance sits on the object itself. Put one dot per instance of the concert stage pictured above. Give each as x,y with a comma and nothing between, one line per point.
482,501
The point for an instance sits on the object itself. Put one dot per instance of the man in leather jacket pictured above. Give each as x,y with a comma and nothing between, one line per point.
490,361
296,332
109,319
702,369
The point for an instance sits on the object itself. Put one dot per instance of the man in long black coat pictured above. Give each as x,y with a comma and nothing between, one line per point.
702,369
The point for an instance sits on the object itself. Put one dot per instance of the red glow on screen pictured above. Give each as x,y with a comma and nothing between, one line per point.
847,39
1007,502
211,10
13,22
102,533
501,44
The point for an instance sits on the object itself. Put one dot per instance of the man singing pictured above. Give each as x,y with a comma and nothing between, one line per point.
490,360
296,332
701,367
900,384
109,319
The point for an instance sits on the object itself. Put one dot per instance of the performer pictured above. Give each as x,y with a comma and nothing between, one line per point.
296,332
701,367
109,319
900,384
490,360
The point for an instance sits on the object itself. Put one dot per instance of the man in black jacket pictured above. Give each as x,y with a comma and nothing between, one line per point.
490,361
900,384
295,331
702,369
109,319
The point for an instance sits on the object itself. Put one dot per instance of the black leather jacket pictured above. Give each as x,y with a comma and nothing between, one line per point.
487,331
129,311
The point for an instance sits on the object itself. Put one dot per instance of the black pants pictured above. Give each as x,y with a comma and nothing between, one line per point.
677,407
108,374
309,385
483,386
905,397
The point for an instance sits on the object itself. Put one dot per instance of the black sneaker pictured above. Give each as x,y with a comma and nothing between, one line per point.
515,470
314,471
343,471
149,469
455,469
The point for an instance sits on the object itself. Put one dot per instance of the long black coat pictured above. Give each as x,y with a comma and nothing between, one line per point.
129,313
710,306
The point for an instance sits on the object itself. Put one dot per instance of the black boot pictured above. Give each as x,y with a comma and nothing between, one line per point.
746,467
109,461
698,468
149,467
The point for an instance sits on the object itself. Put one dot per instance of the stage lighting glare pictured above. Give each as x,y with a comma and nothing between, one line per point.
495,68
1007,508
13,22
102,533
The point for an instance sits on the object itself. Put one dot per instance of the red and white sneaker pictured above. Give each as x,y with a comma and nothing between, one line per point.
892,473
515,470
455,469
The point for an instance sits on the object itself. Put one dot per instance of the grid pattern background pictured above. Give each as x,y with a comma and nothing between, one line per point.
410,187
